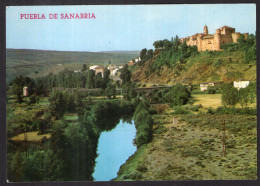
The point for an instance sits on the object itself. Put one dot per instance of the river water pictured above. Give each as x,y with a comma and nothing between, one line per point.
114,148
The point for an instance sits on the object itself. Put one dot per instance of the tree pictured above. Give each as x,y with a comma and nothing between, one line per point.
177,95
167,44
17,88
84,67
90,79
241,40
110,91
15,166
252,92
58,104
125,75
71,103
176,43
150,54
32,99
98,80
106,79
229,95
158,44
128,91
143,54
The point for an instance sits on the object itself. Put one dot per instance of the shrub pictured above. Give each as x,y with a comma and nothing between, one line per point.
211,90
233,110
160,108
178,95
210,111
142,138
143,124
180,110
217,63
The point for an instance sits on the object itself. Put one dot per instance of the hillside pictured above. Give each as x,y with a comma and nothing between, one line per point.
218,66
25,62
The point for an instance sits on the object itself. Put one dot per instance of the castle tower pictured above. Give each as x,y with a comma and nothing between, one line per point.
217,39
205,30
25,91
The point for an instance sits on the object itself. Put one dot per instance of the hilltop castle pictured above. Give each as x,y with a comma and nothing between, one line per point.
205,41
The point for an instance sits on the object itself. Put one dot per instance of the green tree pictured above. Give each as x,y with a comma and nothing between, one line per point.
243,97
150,54
15,166
143,54
229,95
84,67
128,91
90,79
176,43
58,104
98,81
251,88
167,44
71,103
106,79
110,91
177,95
158,44
125,75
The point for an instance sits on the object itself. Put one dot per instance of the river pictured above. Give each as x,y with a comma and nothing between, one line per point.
114,148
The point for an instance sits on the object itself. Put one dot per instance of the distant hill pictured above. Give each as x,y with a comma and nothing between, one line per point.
137,52
27,61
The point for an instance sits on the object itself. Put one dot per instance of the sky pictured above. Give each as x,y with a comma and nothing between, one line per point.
120,27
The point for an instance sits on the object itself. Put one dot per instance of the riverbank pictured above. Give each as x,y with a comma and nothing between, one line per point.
192,149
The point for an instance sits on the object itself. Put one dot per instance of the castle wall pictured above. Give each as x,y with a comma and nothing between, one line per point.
204,41
226,39
191,42
235,37
226,31
207,44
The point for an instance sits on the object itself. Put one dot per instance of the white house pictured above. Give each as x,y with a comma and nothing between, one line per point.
97,69
241,84
113,71
204,86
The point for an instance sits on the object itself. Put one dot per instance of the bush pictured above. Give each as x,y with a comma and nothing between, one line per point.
143,124
134,175
233,110
217,63
142,138
160,108
178,95
211,90
180,110
210,111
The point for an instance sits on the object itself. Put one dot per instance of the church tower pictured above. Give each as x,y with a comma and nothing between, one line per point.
205,30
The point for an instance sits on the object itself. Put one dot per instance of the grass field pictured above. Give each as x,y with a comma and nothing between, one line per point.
207,100
212,100
31,136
